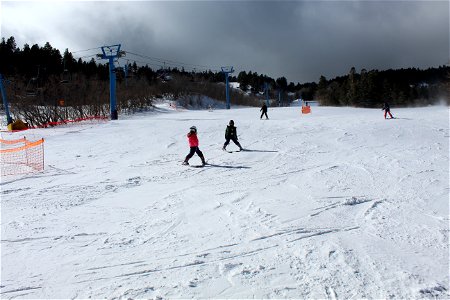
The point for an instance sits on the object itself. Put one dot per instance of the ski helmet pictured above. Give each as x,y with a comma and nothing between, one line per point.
193,128
231,122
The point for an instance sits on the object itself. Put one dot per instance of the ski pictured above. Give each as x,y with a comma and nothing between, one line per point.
193,166
231,151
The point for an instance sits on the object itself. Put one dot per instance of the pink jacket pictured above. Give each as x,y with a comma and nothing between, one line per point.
193,140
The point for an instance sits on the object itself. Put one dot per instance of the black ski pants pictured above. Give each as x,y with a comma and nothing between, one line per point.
264,113
193,151
227,141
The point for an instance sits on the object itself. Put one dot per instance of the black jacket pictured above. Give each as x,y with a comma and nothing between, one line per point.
386,106
263,108
230,132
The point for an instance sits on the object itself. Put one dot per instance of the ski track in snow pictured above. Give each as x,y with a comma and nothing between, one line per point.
336,204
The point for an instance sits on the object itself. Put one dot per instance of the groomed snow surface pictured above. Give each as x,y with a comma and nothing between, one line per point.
338,204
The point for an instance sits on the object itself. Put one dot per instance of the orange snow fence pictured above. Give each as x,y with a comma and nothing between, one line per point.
19,125
21,156
64,122
306,109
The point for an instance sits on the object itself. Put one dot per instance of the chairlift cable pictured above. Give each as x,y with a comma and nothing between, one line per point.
145,62
162,60
193,69
150,63
86,56
86,50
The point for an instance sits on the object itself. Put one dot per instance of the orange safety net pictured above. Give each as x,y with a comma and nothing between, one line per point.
64,122
11,127
21,156
306,109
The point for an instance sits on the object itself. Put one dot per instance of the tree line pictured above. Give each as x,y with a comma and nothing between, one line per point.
45,85
402,87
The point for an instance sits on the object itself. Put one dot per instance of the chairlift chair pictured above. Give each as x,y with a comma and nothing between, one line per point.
120,72
165,76
65,76
128,70
32,87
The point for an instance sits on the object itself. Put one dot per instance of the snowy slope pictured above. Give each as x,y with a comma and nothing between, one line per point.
337,204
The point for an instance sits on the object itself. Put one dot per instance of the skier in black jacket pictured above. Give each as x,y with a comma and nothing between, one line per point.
231,134
264,111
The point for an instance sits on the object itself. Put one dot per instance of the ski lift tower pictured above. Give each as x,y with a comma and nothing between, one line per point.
5,100
227,71
111,53
266,90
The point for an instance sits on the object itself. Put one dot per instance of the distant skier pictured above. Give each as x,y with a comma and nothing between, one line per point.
387,110
231,134
264,111
193,144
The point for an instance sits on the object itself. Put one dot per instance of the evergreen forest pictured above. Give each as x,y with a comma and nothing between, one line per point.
43,85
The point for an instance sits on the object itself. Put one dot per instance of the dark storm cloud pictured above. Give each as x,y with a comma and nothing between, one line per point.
298,40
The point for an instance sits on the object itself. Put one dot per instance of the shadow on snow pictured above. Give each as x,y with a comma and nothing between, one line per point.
254,150
226,167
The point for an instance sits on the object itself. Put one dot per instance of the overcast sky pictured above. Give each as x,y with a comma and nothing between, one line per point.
300,40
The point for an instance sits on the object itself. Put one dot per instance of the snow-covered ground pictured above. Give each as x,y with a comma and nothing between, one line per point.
336,204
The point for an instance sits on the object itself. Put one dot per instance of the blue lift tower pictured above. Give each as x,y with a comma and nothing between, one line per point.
266,90
111,53
227,71
5,100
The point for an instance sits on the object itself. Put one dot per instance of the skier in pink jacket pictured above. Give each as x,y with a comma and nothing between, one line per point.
193,144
